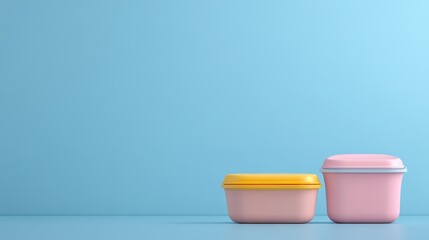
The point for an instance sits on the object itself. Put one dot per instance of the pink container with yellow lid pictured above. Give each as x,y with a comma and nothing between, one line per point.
271,197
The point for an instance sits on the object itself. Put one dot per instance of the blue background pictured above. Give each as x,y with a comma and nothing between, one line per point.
141,107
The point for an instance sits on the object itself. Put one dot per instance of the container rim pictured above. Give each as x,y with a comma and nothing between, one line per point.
271,186
364,170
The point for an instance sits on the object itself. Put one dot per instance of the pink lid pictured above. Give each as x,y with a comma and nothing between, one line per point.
363,161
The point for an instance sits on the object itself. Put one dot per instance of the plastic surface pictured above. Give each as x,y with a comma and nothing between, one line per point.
271,181
363,161
271,206
363,198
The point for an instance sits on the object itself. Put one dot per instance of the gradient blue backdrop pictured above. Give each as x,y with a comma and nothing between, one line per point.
141,107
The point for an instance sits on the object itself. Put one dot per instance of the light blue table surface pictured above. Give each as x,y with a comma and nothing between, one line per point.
200,227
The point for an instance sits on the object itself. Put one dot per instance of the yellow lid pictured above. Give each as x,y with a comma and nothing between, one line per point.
271,181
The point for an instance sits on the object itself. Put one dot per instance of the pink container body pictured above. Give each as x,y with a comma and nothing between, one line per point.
271,206
363,197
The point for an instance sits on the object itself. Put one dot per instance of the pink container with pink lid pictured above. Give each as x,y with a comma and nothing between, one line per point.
363,188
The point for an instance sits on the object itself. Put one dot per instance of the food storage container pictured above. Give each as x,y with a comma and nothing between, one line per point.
271,198
363,188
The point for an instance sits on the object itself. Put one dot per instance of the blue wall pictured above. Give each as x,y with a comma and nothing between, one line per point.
141,107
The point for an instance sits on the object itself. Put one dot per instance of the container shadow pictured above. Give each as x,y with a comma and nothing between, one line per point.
238,224
196,223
